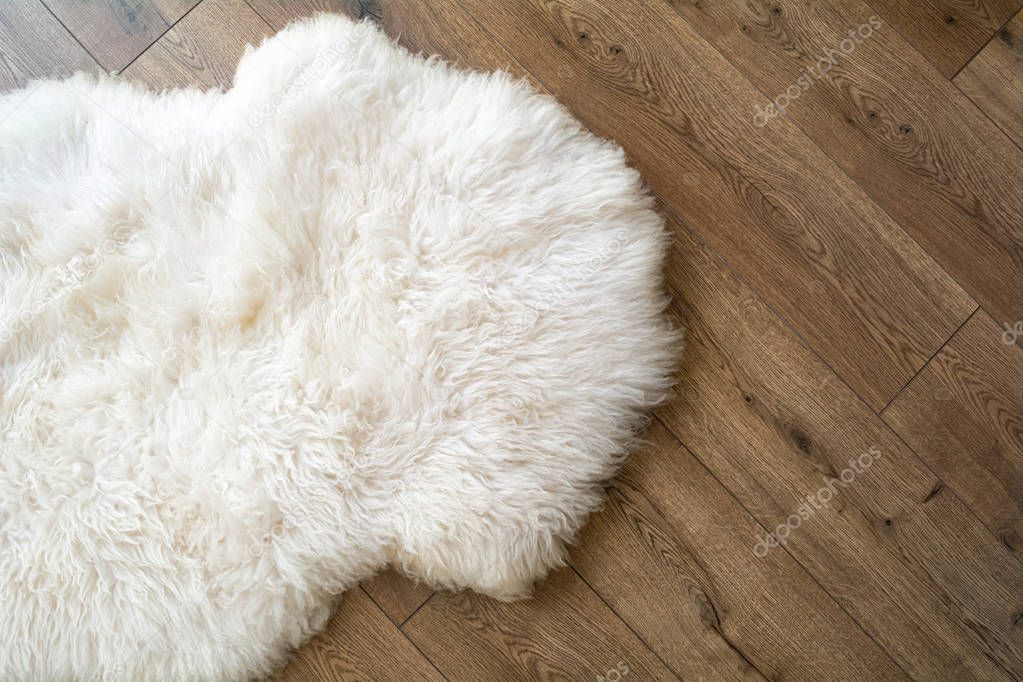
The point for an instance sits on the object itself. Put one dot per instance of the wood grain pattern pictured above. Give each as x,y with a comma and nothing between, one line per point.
564,632
899,551
203,49
911,569
673,554
778,210
113,32
360,643
895,126
994,79
434,28
396,595
34,45
964,415
947,32
277,13
173,10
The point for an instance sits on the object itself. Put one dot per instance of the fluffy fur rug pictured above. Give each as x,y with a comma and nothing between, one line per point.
362,309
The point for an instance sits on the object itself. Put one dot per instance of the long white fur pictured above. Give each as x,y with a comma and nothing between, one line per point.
362,309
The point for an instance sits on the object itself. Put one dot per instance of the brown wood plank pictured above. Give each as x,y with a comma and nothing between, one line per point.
203,49
563,632
947,32
778,210
113,32
994,79
431,28
905,557
396,595
278,13
964,415
360,643
672,554
34,45
919,147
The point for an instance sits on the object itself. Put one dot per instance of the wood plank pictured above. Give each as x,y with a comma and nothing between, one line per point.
964,415
902,555
429,28
173,10
673,554
994,79
203,49
34,45
113,32
918,146
396,595
563,632
278,13
781,213
360,643
947,32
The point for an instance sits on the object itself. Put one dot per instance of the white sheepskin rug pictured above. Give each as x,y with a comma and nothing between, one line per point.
363,309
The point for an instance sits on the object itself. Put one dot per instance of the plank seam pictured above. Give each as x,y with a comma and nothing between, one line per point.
951,336
906,40
417,609
256,12
983,112
799,563
981,48
399,627
157,39
71,33
625,622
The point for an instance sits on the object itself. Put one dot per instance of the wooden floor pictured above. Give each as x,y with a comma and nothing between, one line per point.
850,275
